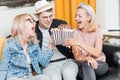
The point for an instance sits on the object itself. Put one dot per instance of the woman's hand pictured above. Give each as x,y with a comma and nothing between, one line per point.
92,62
71,42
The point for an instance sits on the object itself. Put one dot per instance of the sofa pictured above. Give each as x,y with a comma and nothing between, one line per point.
112,53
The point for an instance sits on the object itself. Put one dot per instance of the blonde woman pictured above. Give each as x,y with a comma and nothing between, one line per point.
87,44
22,54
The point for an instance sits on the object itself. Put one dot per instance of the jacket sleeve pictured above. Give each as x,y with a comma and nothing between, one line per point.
4,62
44,56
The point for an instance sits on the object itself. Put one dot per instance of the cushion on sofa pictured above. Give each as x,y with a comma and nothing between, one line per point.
2,42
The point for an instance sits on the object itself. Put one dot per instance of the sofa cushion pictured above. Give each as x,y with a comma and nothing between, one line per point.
2,42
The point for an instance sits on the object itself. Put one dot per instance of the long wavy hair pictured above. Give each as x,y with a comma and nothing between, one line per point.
18,28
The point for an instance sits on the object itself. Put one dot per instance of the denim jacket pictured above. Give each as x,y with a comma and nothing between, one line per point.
14,64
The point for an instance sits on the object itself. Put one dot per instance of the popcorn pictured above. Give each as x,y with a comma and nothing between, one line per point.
59,35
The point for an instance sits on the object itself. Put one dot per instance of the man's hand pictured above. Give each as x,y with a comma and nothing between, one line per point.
51,43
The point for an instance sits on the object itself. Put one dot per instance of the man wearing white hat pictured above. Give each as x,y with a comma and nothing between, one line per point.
62,66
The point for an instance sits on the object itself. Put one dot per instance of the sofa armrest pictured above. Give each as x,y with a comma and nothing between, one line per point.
110,51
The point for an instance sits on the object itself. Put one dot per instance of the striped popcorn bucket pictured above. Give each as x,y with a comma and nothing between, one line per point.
59,35
66,33
56,36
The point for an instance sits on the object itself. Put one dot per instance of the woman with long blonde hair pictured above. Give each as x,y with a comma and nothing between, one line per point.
87,44
21,54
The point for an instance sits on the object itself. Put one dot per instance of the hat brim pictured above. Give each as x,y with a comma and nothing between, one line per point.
44,9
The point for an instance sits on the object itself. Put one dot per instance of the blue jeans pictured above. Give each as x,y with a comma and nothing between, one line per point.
86,72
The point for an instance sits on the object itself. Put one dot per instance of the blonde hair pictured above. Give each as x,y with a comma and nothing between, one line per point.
18,28
89,10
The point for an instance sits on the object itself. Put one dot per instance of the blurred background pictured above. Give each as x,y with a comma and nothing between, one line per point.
107,14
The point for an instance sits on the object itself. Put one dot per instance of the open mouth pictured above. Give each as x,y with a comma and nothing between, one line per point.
79,22
32,28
